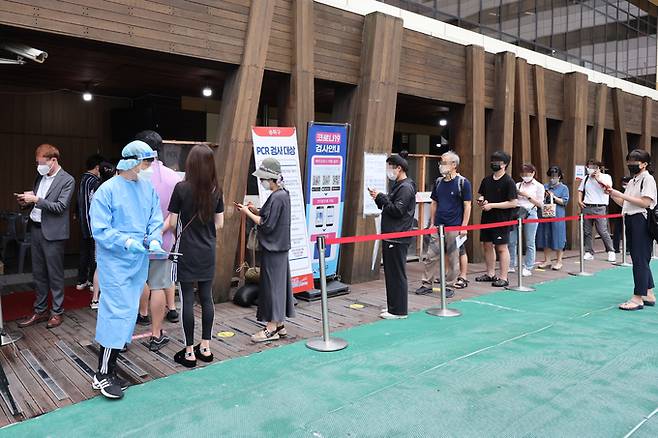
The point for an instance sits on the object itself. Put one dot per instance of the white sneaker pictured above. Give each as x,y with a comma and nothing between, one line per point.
526,272
612,257
386,315
511,270
588,256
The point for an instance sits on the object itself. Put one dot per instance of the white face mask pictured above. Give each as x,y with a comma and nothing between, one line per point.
527,179
444,169
390,174
555,181
590,171
43,169
265,184
145,174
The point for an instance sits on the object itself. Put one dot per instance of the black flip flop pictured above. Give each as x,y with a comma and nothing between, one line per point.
631,309
649,303
486,278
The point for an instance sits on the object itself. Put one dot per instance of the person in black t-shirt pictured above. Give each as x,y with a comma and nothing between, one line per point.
498,199
196,213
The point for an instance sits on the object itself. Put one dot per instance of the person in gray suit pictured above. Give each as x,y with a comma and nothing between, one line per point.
49,226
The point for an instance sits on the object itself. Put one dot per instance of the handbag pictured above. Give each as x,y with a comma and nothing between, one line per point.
549,210
252,274
174,258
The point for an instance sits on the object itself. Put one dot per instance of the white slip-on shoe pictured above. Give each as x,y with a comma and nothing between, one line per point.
387,315
612,257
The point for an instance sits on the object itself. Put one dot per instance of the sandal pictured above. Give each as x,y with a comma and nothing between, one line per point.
557,267
265,336
631,305
486,278
460,283
203,354
183,358
649,303
281,330
545,265
499,282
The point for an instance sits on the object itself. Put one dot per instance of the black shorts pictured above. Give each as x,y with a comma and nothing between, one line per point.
497,236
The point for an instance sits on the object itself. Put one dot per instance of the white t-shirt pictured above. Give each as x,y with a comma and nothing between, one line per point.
534,189
594,193
643,185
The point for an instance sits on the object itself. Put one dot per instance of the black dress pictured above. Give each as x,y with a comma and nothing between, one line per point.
275,300
197,241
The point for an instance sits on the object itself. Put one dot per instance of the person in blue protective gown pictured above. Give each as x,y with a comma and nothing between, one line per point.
126,222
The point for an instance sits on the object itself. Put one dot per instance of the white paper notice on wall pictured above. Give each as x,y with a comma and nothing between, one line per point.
580,172
374,177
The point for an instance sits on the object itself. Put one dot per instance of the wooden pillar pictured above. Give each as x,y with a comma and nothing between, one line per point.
300,104
372,131
501,129
572,147
238,114
470,136
647,116
596,147
522,152
538,129
620,143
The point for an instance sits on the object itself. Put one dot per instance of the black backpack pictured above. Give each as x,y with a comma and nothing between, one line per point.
652,218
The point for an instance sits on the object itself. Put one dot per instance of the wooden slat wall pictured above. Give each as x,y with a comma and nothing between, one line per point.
337,44
425,64
210,29
78,129
279,55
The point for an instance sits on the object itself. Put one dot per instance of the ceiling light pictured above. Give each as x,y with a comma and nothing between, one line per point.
207,92
18,61
443,122
87,96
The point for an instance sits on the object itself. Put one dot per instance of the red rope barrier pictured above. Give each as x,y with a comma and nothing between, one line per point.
434,230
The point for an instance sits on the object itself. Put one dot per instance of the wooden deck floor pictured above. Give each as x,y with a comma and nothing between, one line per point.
48,369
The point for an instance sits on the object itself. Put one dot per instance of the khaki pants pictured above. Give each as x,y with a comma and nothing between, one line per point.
432,259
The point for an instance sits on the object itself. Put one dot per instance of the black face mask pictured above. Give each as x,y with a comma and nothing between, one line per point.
495,167
634,169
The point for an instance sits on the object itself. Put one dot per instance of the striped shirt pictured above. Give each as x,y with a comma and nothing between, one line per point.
89,183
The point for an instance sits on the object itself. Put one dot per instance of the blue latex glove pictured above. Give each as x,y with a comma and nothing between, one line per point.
135,247
155,247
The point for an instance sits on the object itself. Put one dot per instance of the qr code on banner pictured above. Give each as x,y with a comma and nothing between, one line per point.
336,180
316,180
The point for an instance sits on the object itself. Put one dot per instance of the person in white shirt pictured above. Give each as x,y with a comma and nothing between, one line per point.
593,200
530,198
639,196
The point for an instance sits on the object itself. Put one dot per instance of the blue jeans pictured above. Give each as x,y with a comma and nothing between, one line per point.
530,232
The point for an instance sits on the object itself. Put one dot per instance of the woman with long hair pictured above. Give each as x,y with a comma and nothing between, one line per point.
197,212
640,195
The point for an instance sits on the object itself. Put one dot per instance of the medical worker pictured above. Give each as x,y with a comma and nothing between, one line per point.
126,223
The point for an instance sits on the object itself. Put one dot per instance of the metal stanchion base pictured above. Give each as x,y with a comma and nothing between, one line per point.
627,265
581,274
9,338
445,312
521,288
332,344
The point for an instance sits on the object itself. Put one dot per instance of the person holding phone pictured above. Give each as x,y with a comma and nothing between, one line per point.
275,300
593,200
552,237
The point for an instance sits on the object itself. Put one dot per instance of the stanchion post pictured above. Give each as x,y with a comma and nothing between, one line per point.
654,254
326,343
519,257
5,337
443,310
581,238
624,261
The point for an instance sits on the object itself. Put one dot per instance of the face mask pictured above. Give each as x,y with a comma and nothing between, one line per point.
43,169
634,169
145,174
527,179
265,184
590,171
555,181
495,167
390,174
444,169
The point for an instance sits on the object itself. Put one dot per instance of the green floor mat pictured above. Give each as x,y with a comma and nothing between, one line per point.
562,361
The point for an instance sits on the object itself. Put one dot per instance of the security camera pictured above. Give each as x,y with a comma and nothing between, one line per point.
18,61
24,51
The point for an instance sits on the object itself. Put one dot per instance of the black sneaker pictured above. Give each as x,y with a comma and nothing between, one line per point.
108,385
424,290
143,320
172,316
157,343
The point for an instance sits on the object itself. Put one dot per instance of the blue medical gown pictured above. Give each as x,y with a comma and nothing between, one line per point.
122,209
